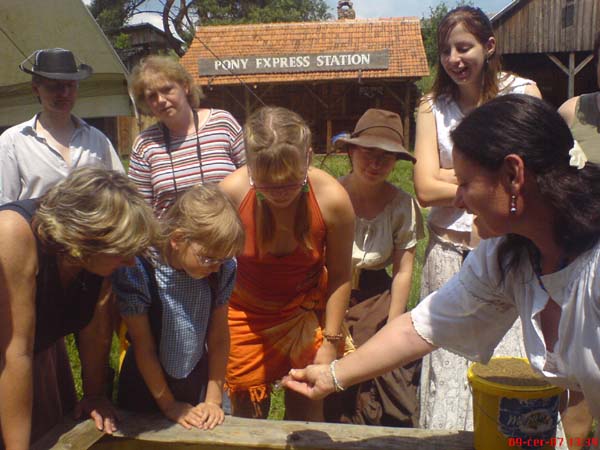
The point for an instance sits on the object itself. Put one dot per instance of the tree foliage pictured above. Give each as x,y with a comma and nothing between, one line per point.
179,17
217,12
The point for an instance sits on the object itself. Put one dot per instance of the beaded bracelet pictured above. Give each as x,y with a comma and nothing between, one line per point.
333,337
336,384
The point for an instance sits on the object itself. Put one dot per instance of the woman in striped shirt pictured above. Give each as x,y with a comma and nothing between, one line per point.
189,145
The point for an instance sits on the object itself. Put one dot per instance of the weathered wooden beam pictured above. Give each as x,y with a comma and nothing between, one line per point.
571,71
154,431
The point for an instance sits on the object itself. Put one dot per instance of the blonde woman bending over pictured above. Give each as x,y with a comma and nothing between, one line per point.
294,274
56,254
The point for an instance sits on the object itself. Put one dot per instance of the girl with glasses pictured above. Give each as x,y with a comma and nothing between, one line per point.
174,303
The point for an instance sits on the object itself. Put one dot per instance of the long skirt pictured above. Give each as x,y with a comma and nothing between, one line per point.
387,400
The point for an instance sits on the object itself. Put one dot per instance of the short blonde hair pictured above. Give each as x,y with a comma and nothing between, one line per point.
94,211
154,68
204,215
277,143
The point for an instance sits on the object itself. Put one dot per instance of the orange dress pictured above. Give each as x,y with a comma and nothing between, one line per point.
276,306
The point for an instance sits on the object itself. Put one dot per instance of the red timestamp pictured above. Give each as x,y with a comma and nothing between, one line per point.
552,442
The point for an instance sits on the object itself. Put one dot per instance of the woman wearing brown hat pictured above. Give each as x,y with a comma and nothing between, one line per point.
387,228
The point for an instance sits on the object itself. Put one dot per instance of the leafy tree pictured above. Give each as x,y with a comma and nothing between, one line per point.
217,12
181,15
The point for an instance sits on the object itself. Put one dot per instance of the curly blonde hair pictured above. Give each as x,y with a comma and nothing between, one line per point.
277,143
155,68
203,215
94,211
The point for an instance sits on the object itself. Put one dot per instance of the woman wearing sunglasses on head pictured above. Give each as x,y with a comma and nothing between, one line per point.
294,274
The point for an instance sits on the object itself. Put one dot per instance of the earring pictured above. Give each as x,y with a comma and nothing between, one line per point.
513,204
259,196
305,187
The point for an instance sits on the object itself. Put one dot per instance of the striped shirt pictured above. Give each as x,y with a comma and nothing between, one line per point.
159,176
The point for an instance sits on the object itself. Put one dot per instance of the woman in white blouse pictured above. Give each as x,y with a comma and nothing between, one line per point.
526,181
387,227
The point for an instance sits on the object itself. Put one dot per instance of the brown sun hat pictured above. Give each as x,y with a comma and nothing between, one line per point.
378,128
56,64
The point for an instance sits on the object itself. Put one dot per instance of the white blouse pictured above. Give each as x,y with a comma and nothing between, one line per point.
447,116
471,313
398,226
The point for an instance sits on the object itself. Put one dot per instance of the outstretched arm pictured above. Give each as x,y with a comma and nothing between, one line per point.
394,345
338,214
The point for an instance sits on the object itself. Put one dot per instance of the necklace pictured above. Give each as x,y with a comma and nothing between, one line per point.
167,137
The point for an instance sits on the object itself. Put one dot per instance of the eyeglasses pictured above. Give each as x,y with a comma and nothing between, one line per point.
207,261
277,188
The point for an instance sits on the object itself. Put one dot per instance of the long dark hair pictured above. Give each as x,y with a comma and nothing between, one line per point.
478,24
531,128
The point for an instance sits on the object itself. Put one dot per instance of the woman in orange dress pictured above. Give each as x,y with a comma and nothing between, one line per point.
294,274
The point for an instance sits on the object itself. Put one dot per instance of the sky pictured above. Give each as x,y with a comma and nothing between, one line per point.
418,8
370,8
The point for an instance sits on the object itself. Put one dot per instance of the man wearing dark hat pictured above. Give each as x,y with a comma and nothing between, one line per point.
34,155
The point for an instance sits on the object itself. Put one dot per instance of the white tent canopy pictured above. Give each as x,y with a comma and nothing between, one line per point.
29,25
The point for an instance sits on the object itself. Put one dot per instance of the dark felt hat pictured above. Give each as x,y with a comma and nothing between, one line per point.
56,64
378,128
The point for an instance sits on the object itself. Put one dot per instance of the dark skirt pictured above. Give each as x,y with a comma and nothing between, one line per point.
134,395
387,400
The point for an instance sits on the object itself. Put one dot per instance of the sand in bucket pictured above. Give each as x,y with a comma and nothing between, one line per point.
513,407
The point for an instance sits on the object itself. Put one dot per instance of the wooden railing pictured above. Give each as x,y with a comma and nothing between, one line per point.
155,432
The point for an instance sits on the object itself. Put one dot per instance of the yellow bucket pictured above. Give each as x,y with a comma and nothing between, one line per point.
507,417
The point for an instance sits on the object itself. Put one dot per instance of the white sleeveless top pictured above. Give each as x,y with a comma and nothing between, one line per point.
447,116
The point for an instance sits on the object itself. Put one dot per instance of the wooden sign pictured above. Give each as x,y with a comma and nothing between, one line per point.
313,62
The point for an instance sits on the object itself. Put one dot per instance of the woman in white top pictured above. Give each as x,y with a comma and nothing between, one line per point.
468,75
522,176
387,227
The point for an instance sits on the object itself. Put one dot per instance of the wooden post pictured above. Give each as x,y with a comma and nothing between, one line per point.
406,114
328,146
246,102
571,71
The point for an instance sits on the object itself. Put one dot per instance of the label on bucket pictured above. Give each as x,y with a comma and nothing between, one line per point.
526,419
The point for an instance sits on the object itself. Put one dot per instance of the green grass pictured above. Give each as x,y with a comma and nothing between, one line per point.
336,165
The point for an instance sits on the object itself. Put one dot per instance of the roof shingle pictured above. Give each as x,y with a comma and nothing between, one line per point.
401,35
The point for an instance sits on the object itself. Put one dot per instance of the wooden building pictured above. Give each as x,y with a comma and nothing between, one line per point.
144,39
329,72
551,42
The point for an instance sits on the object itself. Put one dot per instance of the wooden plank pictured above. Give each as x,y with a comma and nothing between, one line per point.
246,434
70,435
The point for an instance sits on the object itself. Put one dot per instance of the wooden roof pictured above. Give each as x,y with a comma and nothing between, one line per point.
401,36
547,26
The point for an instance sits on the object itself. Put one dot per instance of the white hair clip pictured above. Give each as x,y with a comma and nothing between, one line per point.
578,158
